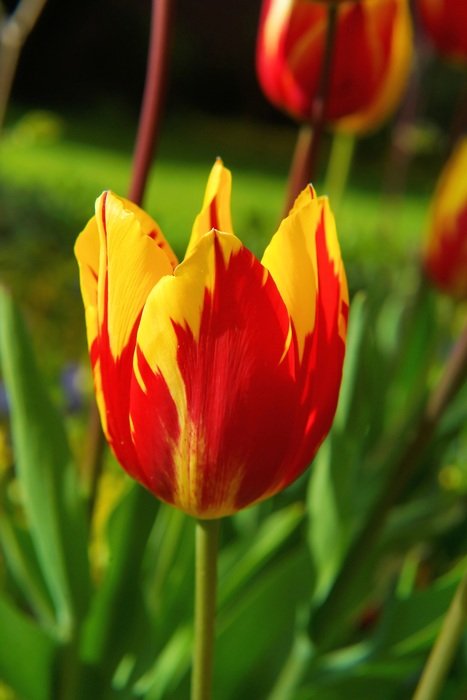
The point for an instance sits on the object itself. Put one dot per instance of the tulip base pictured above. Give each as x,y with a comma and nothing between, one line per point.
207,539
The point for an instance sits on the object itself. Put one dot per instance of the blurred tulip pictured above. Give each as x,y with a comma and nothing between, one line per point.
216,379
371,58
445,22
445,255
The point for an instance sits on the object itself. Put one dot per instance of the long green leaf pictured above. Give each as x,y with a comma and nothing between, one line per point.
52,499
26,654
117,617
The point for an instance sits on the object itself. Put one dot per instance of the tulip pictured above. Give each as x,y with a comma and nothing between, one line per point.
445,255
445,22
371,58
217,379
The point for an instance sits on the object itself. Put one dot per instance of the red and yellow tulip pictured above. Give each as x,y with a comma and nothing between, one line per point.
445,22
217,378
445,255
370,60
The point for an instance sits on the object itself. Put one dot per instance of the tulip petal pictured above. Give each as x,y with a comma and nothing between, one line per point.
214,400
392,56
132,260
215,212
445,255
87,254
305,262
122,255
291,258
445,22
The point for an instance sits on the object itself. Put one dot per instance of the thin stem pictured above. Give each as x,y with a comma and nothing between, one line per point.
14,31
69,680
148,131
340,161
401,150
207,539
442,654
300,168
154,89
305,159
335,607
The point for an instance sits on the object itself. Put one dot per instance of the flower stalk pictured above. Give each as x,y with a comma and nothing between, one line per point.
207,540
154,89
305,158
339,165
441,656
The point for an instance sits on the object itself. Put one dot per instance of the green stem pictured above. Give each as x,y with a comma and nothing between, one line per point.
207,538
441,656
337,174
70,671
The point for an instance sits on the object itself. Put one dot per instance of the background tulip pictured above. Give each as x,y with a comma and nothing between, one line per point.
445,22
217,379
370,60
446,248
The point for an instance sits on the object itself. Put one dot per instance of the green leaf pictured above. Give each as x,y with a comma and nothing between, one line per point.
170,667
117,620
327,534
49,484
411,624
358,320
261,621
21,563
239,563
26,654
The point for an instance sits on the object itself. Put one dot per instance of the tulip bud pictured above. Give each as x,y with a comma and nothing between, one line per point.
371,57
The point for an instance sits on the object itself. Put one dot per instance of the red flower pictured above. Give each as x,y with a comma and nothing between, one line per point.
370,62
445,22
445,255
216,379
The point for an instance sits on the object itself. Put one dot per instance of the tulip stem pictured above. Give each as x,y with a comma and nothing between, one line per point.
441,656
207,539
305,158
154,89
340,161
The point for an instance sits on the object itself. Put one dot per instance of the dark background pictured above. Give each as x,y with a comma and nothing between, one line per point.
96,51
